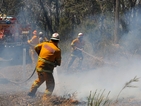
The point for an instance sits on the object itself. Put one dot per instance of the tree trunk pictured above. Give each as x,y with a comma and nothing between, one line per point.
116,30
48,22
57,15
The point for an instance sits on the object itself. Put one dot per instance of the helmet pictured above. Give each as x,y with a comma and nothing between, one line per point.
80,35
34,32
55,36
40,33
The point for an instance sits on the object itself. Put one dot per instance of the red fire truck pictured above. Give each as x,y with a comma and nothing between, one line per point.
13,38
11,31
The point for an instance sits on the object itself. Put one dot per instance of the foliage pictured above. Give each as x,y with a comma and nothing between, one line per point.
128,84
9,7
97,99
95,18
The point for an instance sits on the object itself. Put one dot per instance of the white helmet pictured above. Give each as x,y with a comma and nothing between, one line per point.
80,35
55,36
40,33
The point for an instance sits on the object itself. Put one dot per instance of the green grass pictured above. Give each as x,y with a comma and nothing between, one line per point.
128,84
98,99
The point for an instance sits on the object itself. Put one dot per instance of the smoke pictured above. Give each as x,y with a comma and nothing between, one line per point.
109,77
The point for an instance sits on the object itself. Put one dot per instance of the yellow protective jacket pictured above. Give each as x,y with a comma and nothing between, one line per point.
76,43
34,40
49,56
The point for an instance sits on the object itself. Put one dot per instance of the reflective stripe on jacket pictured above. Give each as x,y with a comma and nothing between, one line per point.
49,56
77,43
48,62
34,40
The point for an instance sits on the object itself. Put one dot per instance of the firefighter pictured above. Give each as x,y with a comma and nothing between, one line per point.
42,38
32,42
49,56
77,46
1,33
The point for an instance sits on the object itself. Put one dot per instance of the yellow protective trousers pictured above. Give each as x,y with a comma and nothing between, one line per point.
48,78
33,55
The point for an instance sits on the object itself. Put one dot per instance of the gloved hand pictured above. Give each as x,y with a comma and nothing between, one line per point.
79,49
74,48
55,64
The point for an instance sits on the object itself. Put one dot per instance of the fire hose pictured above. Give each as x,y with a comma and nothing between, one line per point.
99,59
29,77
19,82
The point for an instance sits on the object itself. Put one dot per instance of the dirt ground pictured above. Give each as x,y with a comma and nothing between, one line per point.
13,94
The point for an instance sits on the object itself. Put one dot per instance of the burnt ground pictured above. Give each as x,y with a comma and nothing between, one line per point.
14,93
21,99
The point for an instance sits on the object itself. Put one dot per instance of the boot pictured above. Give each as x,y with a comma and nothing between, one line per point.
31,94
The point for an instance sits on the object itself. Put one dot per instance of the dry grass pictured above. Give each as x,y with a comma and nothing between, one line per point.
21,99
128,84
96,99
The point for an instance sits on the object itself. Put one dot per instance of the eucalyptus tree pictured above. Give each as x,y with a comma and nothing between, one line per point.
75,14
116,29
130,14
125,13
130,9
10,7
38,13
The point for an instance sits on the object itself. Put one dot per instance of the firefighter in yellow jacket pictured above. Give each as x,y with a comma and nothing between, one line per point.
32,42
49,56
77,47
42,37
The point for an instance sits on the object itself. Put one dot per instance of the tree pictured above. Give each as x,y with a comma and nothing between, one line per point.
116,30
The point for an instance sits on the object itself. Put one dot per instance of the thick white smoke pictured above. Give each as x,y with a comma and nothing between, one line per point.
108,77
